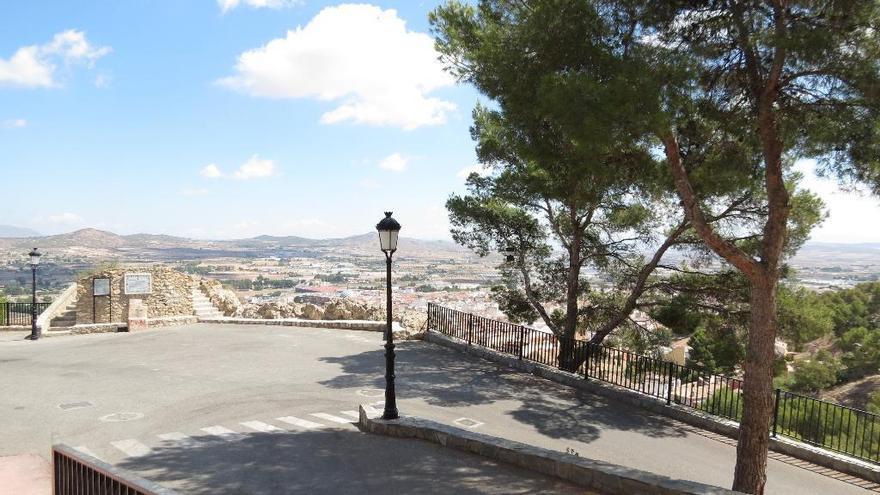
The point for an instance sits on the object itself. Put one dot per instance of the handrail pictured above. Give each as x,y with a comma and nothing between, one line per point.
827,425
74,473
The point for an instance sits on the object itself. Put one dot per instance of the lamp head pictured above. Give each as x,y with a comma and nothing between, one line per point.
34,257
388,231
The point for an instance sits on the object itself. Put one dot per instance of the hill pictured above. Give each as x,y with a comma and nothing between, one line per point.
160,246
11,231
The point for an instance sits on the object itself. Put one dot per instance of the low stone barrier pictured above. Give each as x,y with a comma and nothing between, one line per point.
606,478
687,415
162,321
365,325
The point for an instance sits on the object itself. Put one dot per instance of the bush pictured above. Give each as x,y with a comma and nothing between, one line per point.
874,402
815,375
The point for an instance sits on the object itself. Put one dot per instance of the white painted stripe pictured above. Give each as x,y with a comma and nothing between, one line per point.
353,414
261,427
85,450
177,437
131,447
330,417
220,431
300,423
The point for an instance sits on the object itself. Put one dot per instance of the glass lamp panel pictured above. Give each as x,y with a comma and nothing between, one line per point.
385,239
392,240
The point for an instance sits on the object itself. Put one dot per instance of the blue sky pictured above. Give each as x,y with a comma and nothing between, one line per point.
241,117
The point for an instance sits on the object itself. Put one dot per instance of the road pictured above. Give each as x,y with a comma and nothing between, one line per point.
249,409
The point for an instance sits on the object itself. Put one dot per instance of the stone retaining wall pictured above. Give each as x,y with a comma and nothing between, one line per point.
687,415
606,478
171,295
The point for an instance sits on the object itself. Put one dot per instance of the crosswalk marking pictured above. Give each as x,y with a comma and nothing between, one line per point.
261,427
85,450
131,447
330,417
177,437
300,423
220,431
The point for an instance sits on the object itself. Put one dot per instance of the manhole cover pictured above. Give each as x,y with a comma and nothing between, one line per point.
371,392
74,405
120,417
468,422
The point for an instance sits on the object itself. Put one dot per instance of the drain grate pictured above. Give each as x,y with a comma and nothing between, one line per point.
74,405
120,417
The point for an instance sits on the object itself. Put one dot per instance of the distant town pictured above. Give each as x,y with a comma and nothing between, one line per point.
295,269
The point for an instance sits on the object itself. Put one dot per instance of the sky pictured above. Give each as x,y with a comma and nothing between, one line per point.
235,118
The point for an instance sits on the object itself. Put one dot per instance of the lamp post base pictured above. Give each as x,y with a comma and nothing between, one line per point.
390,411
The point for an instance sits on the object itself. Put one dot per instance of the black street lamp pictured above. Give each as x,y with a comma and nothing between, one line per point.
34,261
388,229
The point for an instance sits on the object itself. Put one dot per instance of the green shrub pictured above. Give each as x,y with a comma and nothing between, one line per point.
814,375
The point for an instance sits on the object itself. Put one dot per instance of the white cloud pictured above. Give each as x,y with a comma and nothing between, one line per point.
65,218
14,123
227,5
194,191
476,168
394,162
34,66
360,57
102,81
255,168
210,171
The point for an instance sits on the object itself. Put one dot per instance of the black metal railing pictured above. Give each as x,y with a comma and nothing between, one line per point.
19,314
74,473
820,423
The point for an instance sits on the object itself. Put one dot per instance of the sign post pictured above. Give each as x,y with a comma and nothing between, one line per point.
101,288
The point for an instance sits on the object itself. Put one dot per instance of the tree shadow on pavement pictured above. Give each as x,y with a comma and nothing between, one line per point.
331,461
447,378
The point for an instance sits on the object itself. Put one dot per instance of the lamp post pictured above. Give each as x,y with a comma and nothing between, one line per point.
34,261
388,229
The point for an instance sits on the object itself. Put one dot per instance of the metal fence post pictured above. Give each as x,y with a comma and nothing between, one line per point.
587,362
470,327
775,413
522,341
669,385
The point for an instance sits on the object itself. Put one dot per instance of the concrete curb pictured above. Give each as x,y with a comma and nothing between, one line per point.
690,416
604,477
365,325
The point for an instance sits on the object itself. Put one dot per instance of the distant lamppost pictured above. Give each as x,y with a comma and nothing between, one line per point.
388,229
34,261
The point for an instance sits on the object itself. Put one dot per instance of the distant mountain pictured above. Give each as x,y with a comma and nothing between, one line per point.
103,240
10,231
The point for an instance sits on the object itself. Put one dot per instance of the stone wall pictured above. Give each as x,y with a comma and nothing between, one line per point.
171,295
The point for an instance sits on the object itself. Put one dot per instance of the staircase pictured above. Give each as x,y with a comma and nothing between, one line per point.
66,318
202,306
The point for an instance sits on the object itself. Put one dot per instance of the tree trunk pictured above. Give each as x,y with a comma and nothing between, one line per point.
754,434
568,361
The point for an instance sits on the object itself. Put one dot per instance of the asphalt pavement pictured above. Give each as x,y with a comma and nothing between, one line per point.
258,409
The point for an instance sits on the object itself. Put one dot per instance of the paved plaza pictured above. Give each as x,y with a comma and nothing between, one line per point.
260,409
